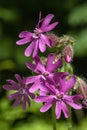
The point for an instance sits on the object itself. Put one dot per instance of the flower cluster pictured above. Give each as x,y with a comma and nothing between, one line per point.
52,78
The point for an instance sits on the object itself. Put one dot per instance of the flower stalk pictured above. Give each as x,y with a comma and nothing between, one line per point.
53,117
69,120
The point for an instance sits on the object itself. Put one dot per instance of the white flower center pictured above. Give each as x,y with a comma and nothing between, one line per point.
37,33
59,96
22,91
44,75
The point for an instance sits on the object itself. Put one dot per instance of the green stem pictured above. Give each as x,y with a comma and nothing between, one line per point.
69,120
53,117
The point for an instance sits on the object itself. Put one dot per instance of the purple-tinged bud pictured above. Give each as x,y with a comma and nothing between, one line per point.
53,38
68,58
82,89
68,53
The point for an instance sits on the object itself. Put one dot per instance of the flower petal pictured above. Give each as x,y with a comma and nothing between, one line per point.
36,48
10,87
73,97
65,109
60,75
37,85
47,20
18,100
42,45
32,79
49,27
39,21
29,49
58,110
46,40
27,36
42,93
46,107
13,95
31,66
24,34
74,104
31,95
39,65
44,99
24,103
11,82
51,87
25,100
52,65
69,84
17,76
65,85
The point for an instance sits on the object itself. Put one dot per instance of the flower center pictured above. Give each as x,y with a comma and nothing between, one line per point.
37,33
22,91
44,75
59,96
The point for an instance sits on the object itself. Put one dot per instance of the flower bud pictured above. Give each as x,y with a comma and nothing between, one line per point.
53,38
65,40
82,89
68,53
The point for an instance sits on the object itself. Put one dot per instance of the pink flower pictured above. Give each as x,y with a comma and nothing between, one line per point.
22,93
38,40
43,72
58,94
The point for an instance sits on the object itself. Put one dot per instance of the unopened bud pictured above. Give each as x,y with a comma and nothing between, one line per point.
53,38
82,89
68,53
65,40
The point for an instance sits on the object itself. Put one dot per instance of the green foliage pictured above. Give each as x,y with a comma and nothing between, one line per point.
5,47
8,14
78,15
81,44
77,18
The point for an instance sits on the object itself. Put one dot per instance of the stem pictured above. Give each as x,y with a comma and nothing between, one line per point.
69,120
53,117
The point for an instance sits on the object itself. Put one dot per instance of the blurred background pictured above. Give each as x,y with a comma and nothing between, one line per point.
20,15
